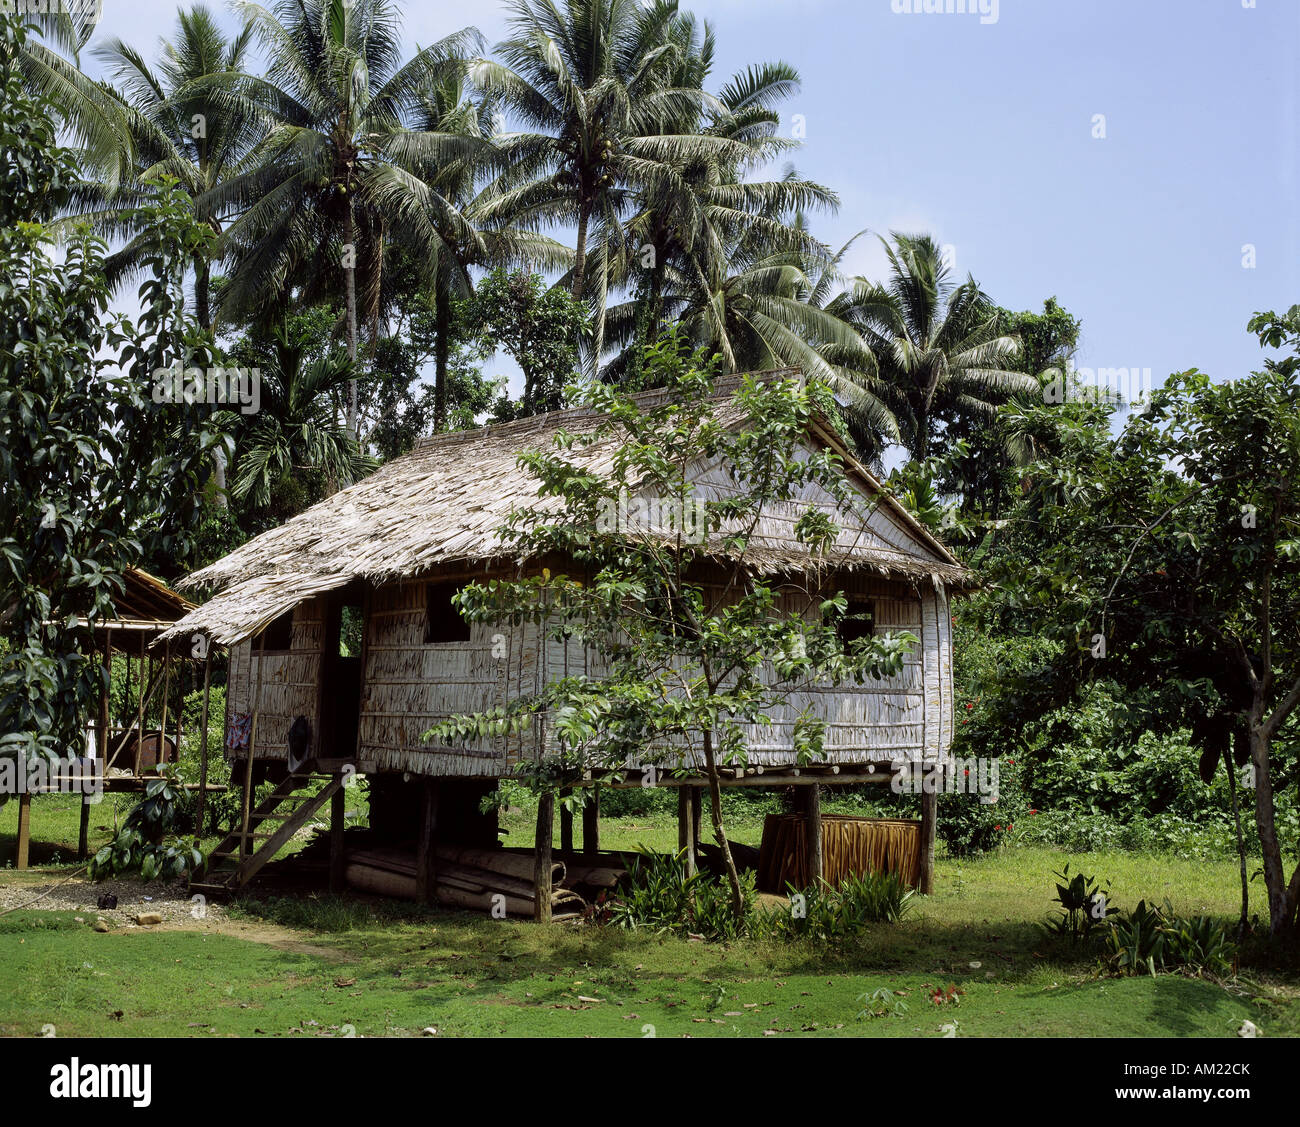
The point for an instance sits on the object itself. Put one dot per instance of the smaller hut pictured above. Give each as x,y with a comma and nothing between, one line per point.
126,740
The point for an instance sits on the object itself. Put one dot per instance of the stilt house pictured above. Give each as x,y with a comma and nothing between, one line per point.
343,617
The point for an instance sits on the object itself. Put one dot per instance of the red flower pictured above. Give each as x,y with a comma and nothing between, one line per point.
1033,811
967,770
998,829
1012,762
969,706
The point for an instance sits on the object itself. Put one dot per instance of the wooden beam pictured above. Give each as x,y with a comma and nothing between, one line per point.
252,750
160,753
203,746
929,819
813,828
847,774
426,859
101,736
24,828
542,859
338,860
139,723
591,823
687,832
566,822
83,829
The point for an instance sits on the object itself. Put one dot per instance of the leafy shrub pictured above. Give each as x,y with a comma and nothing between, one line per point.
658,894
1149,939
969,825
1136,940
1084,906
140,844
623,802
1199,944
831,915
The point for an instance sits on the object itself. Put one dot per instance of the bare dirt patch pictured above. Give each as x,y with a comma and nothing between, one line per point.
173,901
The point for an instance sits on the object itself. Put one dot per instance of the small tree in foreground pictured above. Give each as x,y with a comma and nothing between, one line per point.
694,645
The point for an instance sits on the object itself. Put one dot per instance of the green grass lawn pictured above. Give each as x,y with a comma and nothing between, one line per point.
326,966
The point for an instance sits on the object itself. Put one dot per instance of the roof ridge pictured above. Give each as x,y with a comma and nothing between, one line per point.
723,387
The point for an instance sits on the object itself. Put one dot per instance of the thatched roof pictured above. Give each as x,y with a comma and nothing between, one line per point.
445,502
146,604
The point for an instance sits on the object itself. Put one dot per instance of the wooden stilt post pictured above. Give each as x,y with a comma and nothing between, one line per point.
337,858
83,828
184,674
929,811
160,754
542,859
203,746
252,748
686,843
24,828
101,736
813,826
591,823
566,823
697,808
426,860
101,747
139,717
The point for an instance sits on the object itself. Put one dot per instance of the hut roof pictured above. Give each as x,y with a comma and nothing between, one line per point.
445,502
146,604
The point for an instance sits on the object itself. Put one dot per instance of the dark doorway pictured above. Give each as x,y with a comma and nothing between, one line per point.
340,681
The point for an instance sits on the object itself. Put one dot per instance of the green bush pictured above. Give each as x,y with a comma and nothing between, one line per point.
967,824
832,915
1149,939
1136,940
140,845
658,894
1085,907
626,802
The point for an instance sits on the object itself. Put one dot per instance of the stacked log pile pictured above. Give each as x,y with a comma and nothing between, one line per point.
483,879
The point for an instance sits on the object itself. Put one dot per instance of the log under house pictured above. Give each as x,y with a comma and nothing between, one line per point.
345,648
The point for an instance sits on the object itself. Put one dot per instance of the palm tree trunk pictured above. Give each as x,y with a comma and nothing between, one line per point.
656,299
202,286
441,350
350,274
203,312
580,254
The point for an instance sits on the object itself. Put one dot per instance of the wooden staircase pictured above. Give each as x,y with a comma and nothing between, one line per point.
235,861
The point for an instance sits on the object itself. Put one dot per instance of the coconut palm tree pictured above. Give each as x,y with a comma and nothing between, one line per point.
936,343
172,129
594,81
92,114
711,217
764,311
447,106
339,171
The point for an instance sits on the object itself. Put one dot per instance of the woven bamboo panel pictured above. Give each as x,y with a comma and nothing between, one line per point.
850,847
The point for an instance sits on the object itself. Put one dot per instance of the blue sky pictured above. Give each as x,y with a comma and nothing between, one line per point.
981,131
